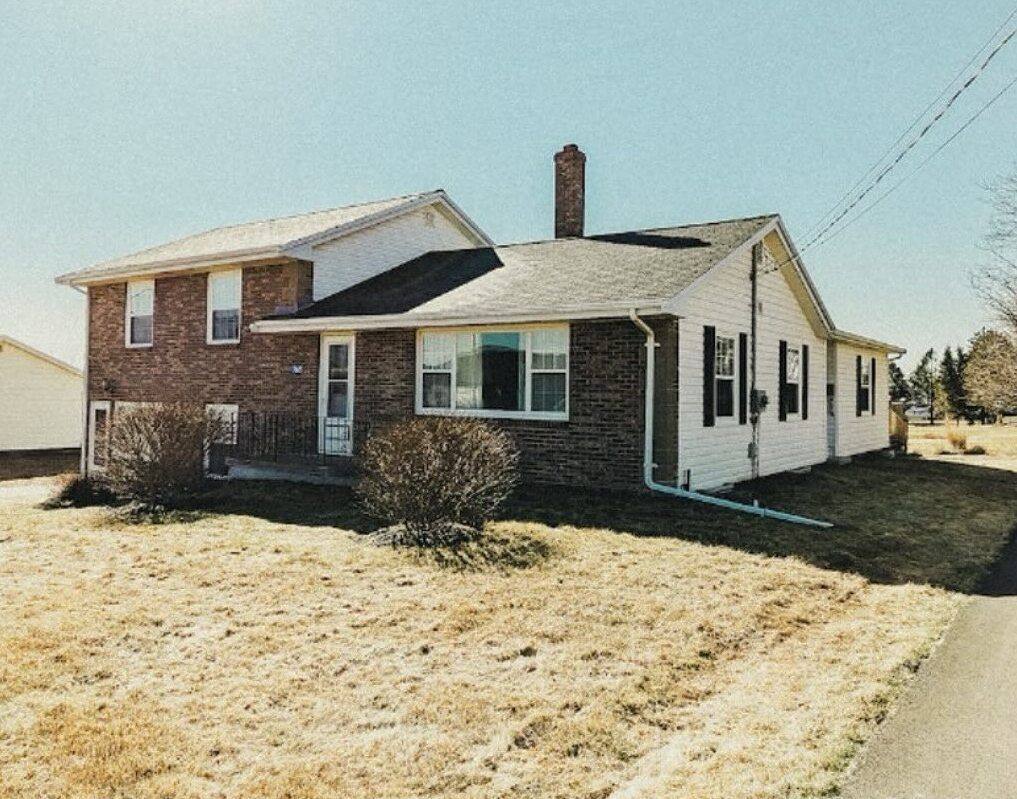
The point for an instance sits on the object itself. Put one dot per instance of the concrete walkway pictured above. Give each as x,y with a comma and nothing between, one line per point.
955,736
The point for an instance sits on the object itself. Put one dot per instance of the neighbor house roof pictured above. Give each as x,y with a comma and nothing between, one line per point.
267,238
42,356
637,269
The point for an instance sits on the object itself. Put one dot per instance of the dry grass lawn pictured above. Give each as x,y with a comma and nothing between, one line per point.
278,655
999,440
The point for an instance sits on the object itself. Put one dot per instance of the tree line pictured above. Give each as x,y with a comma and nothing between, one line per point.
979,383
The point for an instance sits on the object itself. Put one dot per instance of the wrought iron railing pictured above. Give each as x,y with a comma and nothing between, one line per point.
285,436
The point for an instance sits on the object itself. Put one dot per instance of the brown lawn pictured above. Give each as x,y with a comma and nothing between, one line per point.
265,650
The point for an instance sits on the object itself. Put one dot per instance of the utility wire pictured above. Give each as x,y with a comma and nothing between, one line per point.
918,168
913,143
815,226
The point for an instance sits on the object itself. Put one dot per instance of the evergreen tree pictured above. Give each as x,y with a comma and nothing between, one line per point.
900,391
954,400
923,383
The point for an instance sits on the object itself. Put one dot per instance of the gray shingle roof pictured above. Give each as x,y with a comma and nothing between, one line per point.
265,234
637,266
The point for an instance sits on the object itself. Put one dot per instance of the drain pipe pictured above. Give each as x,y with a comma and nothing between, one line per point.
755,508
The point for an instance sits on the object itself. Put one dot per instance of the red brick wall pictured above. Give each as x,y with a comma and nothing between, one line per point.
600,445
180,365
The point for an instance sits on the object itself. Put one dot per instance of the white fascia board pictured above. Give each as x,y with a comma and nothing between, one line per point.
302,248
170,265
803,274
843,337
389,321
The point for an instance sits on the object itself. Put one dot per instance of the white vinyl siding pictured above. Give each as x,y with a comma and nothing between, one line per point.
719,455
508,372
856,434
40,402
353,258
139,313
223,303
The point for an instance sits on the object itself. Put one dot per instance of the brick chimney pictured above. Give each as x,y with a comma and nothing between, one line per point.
569,191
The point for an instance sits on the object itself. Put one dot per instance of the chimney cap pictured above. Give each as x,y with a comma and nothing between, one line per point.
569,149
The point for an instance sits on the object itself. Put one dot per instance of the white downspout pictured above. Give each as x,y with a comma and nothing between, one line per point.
755,509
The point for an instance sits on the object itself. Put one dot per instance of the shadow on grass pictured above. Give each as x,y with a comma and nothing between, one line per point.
489,552
895,520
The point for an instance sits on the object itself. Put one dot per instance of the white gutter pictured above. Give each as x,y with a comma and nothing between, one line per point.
755,509
446,319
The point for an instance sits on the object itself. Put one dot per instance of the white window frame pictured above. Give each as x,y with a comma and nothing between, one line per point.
866,385
481,413
718,377
798,382
128,315
209,308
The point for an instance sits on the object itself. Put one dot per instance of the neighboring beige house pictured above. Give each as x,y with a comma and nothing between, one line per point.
40,400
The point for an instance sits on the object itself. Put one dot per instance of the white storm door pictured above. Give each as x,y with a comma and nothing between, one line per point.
335,396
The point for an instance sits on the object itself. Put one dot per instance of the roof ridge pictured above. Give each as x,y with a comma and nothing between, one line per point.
594,236
412,195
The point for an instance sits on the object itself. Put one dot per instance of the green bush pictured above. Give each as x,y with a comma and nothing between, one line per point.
436,479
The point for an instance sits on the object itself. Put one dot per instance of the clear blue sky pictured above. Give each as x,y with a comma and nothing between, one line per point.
131,123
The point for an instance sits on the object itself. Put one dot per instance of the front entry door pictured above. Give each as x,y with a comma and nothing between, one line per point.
335,396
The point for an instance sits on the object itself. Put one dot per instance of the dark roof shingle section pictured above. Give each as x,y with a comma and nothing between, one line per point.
636,266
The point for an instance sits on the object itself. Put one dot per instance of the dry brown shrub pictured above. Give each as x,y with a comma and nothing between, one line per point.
158,452
429,475
958,441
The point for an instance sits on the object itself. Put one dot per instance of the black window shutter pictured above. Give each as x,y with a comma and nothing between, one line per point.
872,387
805,381
858,385
709,373
782,388
743,378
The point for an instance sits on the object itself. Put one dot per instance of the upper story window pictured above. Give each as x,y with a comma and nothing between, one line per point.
724,364
138,327
499,372
225,290
794,371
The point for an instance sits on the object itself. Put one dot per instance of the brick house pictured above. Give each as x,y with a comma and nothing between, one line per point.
317,329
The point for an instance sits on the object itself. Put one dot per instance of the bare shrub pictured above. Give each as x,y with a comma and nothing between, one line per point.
433,477
957,440
158,452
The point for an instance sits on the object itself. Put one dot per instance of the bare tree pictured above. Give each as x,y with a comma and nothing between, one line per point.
990,373
995,281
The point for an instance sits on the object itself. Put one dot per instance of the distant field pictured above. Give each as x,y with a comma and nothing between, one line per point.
599,646
931,440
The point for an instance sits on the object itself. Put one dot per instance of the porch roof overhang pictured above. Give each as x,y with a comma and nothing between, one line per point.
325,324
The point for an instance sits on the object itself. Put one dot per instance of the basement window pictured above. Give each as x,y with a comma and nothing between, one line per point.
494,372
725,370
224,297
140,313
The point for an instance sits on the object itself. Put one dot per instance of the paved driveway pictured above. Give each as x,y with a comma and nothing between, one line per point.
955,736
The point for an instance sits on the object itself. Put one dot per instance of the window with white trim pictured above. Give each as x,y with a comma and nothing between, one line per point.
866,382
498,372
138,325
225,290
724,366
793,363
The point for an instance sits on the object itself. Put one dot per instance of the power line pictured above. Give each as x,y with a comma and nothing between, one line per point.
914,142
918,168
912,126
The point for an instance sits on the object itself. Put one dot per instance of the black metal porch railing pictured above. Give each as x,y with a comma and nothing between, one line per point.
281,436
